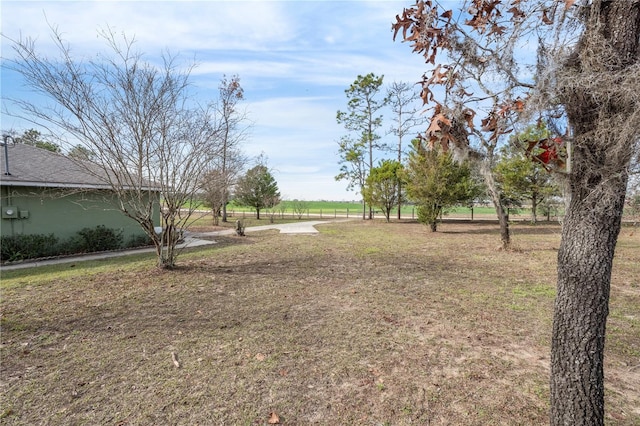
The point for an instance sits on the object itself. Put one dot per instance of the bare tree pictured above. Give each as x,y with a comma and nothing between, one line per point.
150,145
299,207
402,97
214,193
218,182
233,131
587,76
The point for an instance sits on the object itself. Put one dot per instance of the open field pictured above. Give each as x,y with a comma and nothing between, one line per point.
333,209
365,323
329,209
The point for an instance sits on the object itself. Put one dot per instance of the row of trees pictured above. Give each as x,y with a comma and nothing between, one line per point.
508,176
359,148
35,138
434,181
431,179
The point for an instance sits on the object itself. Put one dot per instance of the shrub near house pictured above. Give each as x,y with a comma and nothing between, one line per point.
87,240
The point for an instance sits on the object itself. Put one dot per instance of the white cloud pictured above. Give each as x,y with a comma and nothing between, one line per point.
173,25
311,114
294,59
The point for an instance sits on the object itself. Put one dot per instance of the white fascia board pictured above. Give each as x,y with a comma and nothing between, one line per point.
68,185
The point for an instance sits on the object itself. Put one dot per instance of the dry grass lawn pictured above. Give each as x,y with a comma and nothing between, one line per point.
366,323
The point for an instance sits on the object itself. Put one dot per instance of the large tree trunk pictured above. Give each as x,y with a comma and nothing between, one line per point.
604,121
589,236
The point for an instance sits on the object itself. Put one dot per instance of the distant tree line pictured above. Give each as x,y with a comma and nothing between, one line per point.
427,174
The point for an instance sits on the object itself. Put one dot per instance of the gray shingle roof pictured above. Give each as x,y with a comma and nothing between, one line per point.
32,166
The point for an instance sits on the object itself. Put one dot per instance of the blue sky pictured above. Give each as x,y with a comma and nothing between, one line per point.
294,60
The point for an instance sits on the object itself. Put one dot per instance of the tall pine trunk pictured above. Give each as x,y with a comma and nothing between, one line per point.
399,199
604,122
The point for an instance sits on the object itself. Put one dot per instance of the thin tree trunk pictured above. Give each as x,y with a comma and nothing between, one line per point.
400,132
503,219
224,207
215,214
399,199
433,225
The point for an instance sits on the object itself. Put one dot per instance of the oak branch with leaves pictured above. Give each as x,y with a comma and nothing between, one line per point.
477,91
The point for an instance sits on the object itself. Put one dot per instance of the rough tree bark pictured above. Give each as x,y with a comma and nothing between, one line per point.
603,146
585,259
597,87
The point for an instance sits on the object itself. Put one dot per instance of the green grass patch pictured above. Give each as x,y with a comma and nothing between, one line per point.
535,290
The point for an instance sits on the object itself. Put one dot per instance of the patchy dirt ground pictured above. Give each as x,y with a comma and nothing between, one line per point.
366,323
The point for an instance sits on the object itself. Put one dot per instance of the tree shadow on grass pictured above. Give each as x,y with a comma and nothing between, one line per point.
490,227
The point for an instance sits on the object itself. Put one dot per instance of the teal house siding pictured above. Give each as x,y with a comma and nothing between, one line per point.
48,193
63,213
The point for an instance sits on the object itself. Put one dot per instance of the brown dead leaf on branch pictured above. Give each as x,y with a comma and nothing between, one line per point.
517,13
497,29
425,39
489,123
469,114
439,119
426,95
549,152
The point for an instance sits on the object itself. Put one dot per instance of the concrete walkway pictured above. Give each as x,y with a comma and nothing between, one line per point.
192,239
301,227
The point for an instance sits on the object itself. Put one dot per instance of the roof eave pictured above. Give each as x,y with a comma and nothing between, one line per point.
70,185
